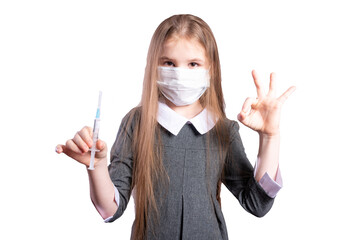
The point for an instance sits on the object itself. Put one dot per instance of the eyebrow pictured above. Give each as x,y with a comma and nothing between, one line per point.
197,60
191,60
165,58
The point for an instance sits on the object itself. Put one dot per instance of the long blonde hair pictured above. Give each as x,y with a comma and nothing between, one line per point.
148,169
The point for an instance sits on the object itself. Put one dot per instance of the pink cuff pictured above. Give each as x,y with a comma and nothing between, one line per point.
270,186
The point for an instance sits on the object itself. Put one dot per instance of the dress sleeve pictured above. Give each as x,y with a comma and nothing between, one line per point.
238,177
121,166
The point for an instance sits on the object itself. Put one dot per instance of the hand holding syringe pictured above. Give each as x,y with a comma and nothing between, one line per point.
83,147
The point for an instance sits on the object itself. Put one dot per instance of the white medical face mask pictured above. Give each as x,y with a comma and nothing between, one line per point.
182,86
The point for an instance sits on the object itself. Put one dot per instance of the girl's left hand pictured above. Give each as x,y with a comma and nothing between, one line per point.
262,114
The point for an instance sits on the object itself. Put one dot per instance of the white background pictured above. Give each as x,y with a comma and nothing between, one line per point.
56,55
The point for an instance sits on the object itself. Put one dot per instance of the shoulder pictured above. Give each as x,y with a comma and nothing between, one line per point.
136,111
129,122
232,127
132,116
231,124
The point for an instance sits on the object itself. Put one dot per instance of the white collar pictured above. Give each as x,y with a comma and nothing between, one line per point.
173,122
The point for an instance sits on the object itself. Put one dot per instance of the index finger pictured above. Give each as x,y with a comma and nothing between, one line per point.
86,134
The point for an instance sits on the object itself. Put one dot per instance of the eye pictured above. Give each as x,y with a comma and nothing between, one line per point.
168,64
193,64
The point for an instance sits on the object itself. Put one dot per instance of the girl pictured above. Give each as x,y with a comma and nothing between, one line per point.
174,150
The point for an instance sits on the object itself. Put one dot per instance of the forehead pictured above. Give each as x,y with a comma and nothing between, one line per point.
187,47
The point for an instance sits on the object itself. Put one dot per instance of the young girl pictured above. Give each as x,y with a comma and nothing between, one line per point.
176,148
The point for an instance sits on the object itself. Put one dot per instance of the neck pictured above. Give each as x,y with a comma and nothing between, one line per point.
188,111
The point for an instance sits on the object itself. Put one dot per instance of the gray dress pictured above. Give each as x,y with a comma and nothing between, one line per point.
189,209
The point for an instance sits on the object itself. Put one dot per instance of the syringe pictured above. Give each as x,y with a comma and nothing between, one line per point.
96,129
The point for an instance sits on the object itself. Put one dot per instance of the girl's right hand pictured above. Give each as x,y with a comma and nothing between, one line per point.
79,148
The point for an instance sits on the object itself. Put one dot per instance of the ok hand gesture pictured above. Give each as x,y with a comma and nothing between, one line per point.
262,114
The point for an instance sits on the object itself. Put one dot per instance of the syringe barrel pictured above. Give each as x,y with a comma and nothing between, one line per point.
96,124
96,129
92,161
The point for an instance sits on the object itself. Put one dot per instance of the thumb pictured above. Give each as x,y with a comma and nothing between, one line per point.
101,145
